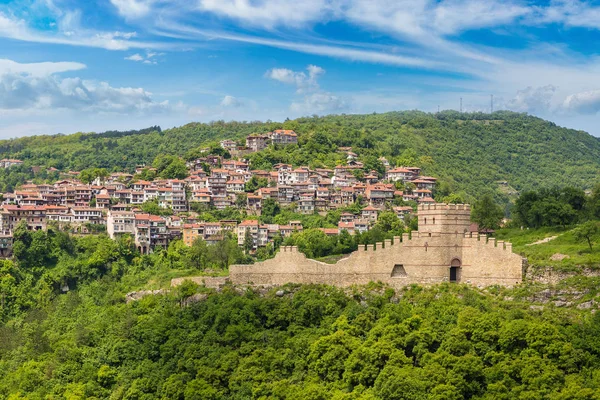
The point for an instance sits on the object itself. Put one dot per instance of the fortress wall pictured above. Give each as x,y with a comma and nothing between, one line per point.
490,263
424,257
422,264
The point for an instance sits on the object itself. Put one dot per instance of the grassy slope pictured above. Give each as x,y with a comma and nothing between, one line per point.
540,255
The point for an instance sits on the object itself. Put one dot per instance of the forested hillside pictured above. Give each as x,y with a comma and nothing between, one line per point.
314,343
469,152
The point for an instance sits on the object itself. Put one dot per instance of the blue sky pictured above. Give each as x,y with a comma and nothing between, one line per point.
68,66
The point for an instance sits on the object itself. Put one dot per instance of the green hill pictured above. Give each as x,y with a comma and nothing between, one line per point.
470,152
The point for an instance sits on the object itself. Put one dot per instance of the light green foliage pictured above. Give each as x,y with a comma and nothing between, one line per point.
88,175
587,232
487,213
170,167
146,174
152,207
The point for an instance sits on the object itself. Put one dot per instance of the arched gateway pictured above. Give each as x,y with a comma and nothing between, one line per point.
455,270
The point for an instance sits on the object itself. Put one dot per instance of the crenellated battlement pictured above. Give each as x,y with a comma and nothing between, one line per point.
289,249
443,207
483,239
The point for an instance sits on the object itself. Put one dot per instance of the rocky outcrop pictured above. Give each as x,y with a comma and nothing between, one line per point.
135,296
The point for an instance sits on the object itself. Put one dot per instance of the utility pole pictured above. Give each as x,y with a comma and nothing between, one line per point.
491,104
461,105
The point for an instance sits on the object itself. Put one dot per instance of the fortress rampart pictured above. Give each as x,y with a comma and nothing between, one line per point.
441,251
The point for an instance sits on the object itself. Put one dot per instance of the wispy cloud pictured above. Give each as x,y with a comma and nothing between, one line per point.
17,29
270,13
148,58
38,69
175,30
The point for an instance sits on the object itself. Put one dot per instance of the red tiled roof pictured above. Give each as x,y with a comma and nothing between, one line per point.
249,222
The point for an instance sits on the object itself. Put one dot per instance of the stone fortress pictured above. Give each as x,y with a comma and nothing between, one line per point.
443,250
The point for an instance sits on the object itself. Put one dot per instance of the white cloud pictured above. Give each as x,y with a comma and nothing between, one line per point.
149,58
303,81
532,100
573,13
230,101
270,13
135,57
38,69
36,86
319,103
314,99
583,103
452,16
133,8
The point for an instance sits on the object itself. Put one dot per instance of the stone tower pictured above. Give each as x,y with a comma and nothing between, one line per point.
444,219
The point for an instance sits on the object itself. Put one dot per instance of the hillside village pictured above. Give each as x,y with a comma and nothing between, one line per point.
114,203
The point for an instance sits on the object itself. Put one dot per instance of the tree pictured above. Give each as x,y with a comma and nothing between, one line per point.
198,253
586,232
270,208
389,222
594,202
373,163
487,213
146,174
256,183
241,199
170,167
313,242
248,242
408,158
88,175
152,207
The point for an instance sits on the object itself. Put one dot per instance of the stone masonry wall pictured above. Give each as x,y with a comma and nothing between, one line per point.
424,258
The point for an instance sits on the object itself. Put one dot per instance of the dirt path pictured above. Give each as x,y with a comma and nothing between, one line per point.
545,240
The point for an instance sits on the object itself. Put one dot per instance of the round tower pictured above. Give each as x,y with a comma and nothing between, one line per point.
444,219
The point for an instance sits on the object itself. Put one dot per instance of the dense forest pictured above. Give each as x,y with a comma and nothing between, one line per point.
471,153
311,342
